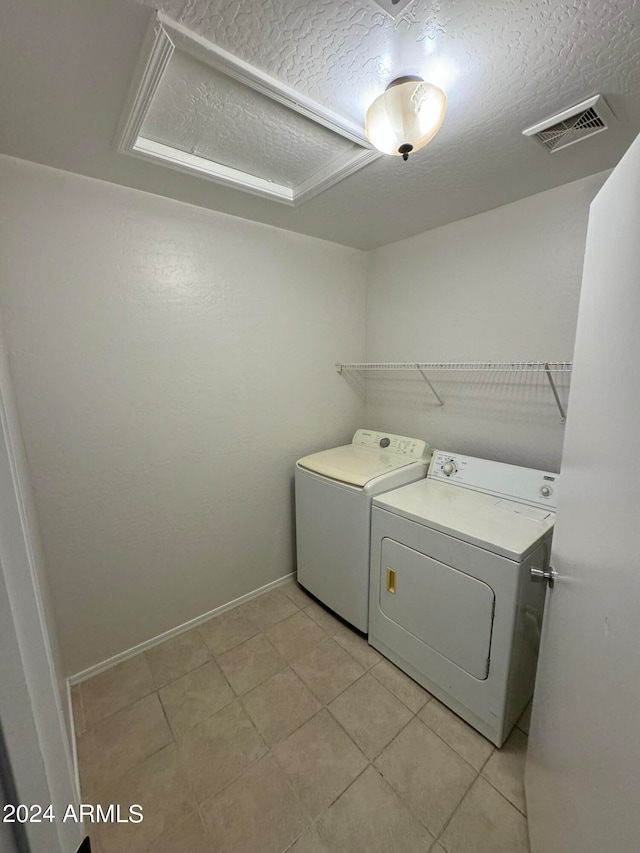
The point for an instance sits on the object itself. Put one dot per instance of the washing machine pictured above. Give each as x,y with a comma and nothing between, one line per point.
333,493
452,601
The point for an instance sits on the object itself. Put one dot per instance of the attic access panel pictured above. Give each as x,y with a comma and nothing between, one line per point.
197,108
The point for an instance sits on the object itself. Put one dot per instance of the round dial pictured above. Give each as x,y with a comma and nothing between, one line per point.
385,442
546,491
449,468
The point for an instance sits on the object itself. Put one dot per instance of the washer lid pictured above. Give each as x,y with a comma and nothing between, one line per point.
353,464
508,528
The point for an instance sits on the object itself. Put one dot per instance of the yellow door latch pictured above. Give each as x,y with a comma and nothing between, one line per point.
391,581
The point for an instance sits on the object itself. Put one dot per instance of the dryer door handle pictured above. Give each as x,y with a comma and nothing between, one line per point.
391,581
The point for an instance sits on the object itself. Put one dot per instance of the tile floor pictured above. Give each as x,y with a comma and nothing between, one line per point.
274,727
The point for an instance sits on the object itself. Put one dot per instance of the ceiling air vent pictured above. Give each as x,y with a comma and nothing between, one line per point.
573,125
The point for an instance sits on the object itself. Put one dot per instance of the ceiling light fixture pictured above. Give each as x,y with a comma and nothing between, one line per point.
406,116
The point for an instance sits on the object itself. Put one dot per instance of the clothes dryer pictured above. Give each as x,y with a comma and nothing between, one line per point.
333,493
451,598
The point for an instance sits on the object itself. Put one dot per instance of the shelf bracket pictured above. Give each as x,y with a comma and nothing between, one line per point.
433,390
563,416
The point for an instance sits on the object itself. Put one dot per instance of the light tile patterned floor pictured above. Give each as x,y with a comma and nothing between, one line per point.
275,727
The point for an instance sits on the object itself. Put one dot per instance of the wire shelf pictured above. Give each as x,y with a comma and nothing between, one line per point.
548,368
504,366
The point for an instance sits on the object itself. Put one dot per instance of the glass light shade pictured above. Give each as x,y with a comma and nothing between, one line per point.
407,114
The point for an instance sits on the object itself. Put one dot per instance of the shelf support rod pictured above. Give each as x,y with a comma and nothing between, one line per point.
563,416
433,390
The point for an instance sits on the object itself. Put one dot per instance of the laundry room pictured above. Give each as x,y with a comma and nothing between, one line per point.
317,335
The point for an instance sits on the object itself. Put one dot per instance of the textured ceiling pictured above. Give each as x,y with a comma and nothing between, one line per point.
340,53
202,111
65,68
344,54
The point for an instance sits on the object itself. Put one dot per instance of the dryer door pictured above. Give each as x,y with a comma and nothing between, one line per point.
446,609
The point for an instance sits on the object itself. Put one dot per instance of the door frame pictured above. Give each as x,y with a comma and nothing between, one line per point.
35,734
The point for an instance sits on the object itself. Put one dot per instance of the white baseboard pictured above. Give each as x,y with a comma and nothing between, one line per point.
173,632
74,745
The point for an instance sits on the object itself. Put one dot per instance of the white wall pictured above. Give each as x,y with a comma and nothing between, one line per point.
170,364
503,285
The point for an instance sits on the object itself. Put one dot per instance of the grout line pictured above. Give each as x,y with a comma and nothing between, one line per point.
418,818
350,736
204,823
369,764
184,776
88,727
217,655
484,779
174,734
100,785
234,698
489,757
340,726
261,632
453,747
153,689
504,796
164,714
295,796
338,695
391,663
241,772
293,731
397,735
454,812
195,668
257,731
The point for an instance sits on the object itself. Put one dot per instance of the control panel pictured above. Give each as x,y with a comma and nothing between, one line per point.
402,444
536,488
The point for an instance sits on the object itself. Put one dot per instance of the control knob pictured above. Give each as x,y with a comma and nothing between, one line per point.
449,468
385,442
546,491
